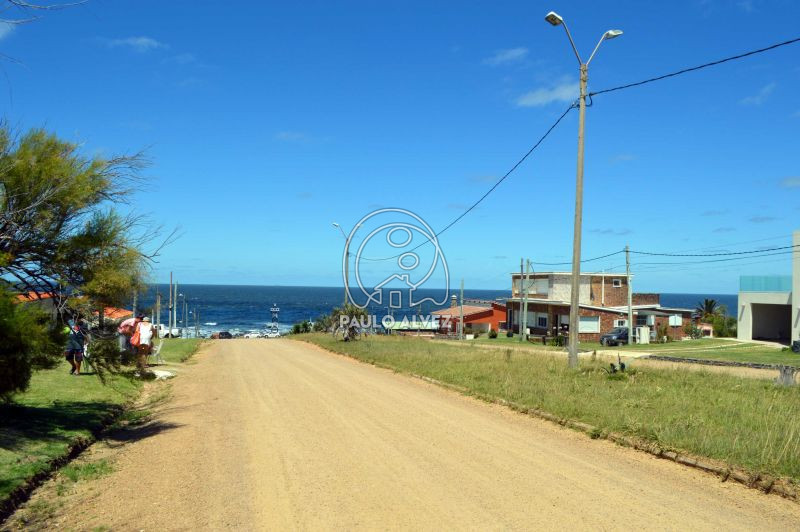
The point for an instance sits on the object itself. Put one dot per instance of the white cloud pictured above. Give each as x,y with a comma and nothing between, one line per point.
138,44
503,57
791,182
566,91
761,97
5,29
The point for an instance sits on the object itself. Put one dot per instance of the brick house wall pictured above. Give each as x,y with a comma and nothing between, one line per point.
646,299
614,296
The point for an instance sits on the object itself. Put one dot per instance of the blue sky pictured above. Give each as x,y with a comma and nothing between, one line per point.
267,121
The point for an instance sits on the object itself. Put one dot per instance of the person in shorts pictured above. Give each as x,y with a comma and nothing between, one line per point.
76,341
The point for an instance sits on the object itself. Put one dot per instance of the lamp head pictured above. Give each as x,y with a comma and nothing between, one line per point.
610,34
335,224
554,18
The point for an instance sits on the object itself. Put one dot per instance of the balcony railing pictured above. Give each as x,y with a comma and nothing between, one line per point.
765,283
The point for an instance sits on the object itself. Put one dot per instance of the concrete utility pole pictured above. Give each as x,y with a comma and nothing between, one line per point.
574,316
158,309
525,283
346,263
461,311
169,309
630,293
135,303
175,308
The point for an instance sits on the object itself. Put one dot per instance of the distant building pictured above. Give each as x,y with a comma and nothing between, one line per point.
769,305
479,316
603,305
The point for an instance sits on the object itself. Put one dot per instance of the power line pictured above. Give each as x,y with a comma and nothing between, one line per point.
585,260
699,67
714,254
492,189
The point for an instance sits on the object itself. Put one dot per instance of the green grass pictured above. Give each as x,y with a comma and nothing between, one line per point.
749,423
58,409
179,349
706,349
87,471
746,353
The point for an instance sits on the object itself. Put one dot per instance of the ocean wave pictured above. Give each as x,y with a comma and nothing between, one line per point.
211,323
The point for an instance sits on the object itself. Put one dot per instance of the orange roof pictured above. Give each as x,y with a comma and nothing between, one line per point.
455,311
113,313
31,296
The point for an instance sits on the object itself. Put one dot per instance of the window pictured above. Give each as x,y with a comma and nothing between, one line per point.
620,323
541,320
541,286
641,320
589,324
675,320
616,283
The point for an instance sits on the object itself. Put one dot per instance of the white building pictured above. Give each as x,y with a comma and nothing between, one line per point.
769,306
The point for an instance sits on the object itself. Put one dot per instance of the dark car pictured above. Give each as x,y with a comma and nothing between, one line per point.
616,336
225,335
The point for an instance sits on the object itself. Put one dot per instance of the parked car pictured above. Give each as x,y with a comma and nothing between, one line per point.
252,335
616,336
224,335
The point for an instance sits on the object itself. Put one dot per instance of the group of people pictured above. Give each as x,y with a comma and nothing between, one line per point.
136,336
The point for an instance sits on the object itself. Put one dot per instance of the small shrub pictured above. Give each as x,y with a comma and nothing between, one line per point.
557,341
510,334
492,334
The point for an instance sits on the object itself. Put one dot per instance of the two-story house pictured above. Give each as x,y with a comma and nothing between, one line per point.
603,301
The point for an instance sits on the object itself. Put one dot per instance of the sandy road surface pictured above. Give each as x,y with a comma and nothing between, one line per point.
276,434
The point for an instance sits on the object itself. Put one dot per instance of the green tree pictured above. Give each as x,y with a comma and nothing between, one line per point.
60,230
708,308
29,340
347,320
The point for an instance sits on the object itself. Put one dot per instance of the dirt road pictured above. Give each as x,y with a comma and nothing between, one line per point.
276,434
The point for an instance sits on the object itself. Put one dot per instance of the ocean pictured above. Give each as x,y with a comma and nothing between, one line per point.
241,309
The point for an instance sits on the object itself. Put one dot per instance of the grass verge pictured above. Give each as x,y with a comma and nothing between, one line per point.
60,414
180,349
746,423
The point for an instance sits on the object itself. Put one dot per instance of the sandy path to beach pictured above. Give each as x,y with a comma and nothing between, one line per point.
280,435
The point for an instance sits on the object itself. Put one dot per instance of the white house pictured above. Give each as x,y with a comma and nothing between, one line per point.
769,305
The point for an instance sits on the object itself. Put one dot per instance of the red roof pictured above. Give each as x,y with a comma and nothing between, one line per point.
113,313
455,312
31,296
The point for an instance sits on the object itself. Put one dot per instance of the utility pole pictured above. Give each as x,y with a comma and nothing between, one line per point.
169,309
574,314
630,293
185,316
158,309
525,287
135,302
519,318
461,312
175,308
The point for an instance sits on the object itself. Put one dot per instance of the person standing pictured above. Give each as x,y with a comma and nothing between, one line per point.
76,342
144,335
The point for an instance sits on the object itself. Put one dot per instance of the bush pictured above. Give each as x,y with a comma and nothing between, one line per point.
492,334
510,334
558,341
29,340
692,331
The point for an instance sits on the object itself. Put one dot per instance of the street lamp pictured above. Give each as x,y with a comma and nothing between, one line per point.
346,262
574,316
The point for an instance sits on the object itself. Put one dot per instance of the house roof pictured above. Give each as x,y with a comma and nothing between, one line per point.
583,274
31,296
113,313
456,311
